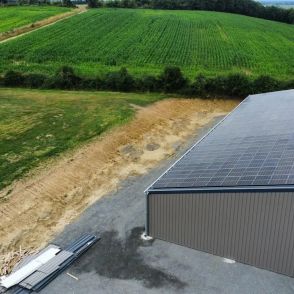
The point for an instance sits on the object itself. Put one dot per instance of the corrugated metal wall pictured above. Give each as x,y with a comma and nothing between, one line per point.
256,228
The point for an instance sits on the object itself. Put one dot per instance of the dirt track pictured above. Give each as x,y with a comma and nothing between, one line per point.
18,32
38,207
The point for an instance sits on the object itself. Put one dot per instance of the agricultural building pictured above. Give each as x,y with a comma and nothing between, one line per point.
232,193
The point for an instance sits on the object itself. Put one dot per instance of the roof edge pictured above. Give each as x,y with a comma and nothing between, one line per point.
278,188
149,188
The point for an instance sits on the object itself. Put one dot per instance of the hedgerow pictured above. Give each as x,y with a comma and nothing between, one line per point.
171,80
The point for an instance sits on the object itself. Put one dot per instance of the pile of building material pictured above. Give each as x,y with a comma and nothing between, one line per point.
39,270
12,259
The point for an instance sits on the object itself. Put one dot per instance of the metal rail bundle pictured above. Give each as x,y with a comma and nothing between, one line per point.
48,271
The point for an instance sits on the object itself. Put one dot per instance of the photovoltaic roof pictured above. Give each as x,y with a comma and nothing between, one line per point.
252,146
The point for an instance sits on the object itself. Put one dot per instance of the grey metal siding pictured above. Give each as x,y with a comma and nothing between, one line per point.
253,228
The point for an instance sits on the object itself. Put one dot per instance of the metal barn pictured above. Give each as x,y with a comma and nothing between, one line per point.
232,193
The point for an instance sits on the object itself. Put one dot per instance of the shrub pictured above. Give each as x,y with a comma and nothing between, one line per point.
94,3
13,79
215,85
237,85
65,78
288,85
34,80
1,81
172,79
199,85
67,3
148,83
119,81
88,84
265,84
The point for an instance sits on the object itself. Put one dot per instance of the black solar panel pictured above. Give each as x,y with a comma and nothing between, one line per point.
253,146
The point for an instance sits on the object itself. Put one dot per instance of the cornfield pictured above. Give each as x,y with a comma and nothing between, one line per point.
145,41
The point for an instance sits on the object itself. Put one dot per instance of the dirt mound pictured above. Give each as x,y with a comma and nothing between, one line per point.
33,210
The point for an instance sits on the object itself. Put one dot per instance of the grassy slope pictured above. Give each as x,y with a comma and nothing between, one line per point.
36,125
17,16
146,40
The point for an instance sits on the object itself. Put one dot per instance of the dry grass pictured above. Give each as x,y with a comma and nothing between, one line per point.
11,259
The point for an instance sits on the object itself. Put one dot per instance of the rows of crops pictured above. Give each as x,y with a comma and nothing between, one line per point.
146,40
17,16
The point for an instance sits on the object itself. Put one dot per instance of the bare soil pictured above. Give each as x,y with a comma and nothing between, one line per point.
36,208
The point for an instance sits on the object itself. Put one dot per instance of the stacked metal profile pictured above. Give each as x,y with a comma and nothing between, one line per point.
47,272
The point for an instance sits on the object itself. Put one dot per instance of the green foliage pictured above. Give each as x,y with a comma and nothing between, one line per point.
38,125
172,79
34,80
67,3
92,3
119,81
13,79
148,84
237,85
65,78
265,84
146,41
199,86
17,16
246,7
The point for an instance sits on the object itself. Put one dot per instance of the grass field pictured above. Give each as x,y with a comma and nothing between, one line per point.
37,125
145,41
17,16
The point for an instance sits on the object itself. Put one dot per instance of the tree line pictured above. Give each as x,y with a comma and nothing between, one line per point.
245,7
171,80
65,3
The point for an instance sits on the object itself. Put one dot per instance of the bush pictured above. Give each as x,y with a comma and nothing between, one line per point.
89,84
288,85
237,85
215,85
13,79
67,3
34,80
199,85
94,3
119,81
172,79
65,78
265,84
1,81
148,83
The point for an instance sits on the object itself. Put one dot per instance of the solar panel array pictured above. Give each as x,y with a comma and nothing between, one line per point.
253,146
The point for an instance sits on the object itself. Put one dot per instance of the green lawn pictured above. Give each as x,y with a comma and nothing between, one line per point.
145,41
37,125
17,16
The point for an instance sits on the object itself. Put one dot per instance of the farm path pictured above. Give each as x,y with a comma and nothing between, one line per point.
35,209
27,29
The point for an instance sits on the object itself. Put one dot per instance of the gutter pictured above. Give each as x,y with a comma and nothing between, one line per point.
277,188
261,189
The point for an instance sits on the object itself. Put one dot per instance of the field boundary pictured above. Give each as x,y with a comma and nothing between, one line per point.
24,30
